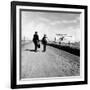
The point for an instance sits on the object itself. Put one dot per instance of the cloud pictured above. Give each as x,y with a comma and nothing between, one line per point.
68,21
55,22
44,19
71,21
64,21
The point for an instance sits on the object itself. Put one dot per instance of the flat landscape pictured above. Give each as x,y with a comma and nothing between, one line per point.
52,63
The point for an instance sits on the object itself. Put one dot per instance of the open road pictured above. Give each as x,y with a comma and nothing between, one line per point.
52,63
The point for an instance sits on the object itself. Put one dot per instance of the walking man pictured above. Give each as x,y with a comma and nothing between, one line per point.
44,42
36,40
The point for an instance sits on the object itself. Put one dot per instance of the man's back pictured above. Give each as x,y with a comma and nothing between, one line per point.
35,38
44,41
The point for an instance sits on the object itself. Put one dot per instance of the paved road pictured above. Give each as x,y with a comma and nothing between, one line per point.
52,63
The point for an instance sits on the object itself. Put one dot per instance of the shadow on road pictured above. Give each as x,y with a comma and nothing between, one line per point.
31,50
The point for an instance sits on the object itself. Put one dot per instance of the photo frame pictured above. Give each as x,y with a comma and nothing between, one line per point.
70,67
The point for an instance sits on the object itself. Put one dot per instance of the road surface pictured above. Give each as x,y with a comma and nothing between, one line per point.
52,63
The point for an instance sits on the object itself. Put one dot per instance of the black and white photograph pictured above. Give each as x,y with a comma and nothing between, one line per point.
50,44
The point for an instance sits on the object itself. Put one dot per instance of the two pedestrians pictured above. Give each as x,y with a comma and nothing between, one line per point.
36,41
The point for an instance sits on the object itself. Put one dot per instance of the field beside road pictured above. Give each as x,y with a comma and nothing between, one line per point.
71,49
52,63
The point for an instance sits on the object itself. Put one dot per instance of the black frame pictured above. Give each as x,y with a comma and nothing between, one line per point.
13,43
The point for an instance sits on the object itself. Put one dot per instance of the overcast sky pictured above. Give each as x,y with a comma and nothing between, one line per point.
50,23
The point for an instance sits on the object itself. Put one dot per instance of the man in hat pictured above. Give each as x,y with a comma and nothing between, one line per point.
36,40
44,42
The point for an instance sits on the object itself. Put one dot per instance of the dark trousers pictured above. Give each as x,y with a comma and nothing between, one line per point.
44,47
35,46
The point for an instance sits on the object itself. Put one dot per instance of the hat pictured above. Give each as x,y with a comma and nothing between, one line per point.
36,32
44,35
